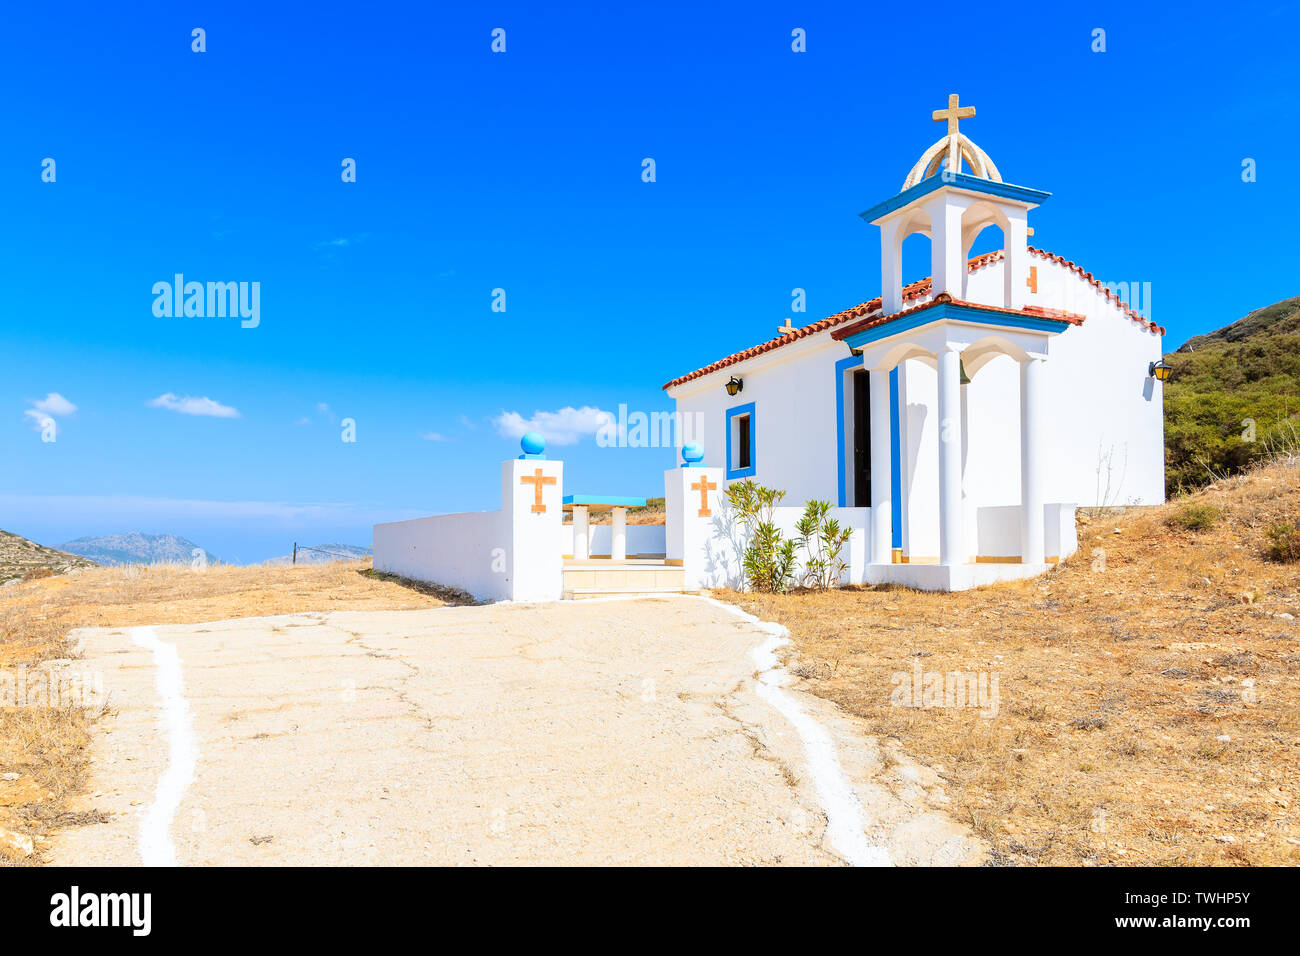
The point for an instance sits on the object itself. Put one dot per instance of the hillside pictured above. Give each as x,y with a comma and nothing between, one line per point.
1147,709
1247,372
136,548
19,557
1276,319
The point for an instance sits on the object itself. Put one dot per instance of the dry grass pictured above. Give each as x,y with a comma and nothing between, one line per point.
46,745
1120,673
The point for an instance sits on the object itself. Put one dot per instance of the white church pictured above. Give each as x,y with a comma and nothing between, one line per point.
973,411
957,423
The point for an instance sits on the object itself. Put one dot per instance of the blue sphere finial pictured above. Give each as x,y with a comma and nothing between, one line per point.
692,454
532,443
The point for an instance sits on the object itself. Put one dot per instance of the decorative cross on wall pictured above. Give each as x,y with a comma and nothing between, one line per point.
785,329
537,480
704,486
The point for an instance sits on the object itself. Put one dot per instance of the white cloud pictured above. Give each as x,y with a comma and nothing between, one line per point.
465,420
54,404
434,436
330,246
43,409
193,406
566,426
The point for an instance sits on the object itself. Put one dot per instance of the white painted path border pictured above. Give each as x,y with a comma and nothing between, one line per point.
845,823
845,818
156,847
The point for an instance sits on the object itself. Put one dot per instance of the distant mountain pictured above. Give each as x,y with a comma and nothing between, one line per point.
18,557
136,548
1233,397
324,554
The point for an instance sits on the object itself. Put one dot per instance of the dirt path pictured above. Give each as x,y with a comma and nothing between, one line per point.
645,732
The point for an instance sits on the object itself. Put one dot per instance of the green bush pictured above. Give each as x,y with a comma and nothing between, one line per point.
1195,517
823,539
768,562
1283,542
769,559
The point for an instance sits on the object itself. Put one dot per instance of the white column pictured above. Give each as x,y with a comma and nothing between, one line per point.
1031,457
531,527
618,540
882,450
581,534
947,267
950,517
891,268
1015,269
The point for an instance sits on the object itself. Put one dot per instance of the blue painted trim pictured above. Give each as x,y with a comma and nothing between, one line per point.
842,366
616,501
747,408
896,465
951,310
532,457
960,181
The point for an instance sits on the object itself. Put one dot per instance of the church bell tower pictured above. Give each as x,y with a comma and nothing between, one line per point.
952,207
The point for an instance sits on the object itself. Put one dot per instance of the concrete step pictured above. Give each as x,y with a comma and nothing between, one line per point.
590,578
579,594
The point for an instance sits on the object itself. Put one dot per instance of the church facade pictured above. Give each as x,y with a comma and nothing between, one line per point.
971,412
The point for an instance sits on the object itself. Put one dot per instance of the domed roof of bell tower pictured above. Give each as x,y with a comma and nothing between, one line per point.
948,152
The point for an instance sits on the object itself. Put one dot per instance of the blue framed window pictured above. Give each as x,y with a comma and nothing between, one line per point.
742,448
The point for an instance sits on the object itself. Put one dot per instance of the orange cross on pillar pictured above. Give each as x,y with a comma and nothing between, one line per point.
537,480
704,486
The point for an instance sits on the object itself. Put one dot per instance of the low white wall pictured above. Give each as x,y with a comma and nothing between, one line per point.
1060,531
998,531
452,550
511,554
641,539
726,541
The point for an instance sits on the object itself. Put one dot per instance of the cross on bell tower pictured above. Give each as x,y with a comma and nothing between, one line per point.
953,113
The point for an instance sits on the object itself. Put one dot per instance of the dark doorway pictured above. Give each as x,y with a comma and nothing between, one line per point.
861,440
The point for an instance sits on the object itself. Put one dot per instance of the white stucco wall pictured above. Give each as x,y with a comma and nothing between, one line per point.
510,554
453,550
1101,404
795,419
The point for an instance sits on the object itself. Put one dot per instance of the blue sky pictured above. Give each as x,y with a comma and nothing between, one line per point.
522,171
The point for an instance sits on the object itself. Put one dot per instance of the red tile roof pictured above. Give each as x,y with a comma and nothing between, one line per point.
916,290
943,297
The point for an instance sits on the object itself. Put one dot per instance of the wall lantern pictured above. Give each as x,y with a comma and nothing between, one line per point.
1160,370
735,385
